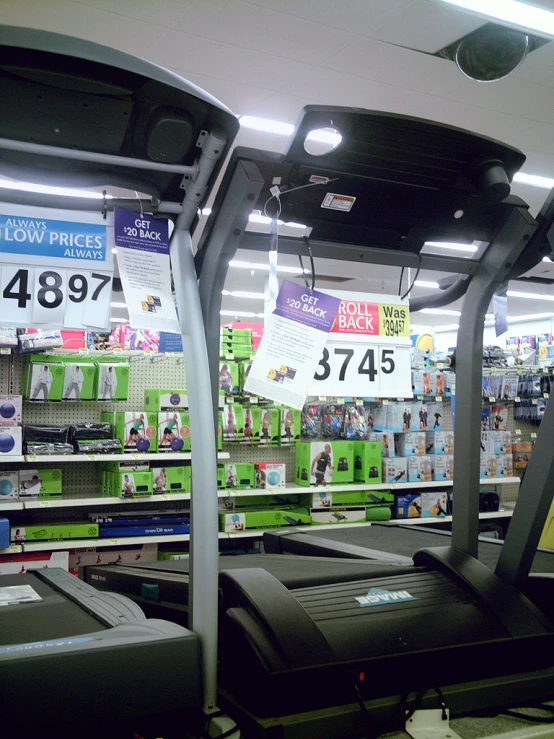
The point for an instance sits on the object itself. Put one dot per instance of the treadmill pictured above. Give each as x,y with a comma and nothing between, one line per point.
78,114
320,659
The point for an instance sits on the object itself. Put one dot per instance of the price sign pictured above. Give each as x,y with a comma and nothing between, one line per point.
54,272
368,349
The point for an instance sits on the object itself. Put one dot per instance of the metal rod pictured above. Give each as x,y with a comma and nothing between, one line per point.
533,504
492,271
65,202
92,156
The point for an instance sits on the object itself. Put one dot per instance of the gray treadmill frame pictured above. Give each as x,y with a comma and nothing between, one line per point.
204,540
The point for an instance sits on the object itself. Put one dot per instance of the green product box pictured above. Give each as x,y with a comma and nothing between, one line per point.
338,515
112,380
172,556
290,426
237,333
326,498
173,431
260,501
79,381
131,484
324,462
233,422
221,477
245,368
367,461
55,531
169,479
43,380
43,483
270,519
219,432
378,513
239,475
270,427
136,430
229,381
162,400
252,417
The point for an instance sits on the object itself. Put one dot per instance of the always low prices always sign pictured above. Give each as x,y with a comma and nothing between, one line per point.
367,353
55,270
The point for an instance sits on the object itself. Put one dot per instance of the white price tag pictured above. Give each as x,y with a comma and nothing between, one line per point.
16,304
365,370
49,296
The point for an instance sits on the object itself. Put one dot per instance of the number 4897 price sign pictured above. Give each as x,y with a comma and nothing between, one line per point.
368,350
53,273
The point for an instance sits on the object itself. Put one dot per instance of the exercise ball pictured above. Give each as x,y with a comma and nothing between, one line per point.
5,487
143,445
273,478
7,443
175,399
177,444
7,410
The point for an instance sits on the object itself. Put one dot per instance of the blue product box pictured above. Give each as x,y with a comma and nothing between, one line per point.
144,530
407,506
4,533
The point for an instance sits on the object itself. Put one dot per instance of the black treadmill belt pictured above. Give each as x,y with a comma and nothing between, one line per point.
53,617
408,539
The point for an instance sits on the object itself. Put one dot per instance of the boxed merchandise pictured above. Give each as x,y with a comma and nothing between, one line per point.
487,469
417,382
398,417
4,533
269,519
395,470
113,380
522,451
9,485
270,426
498,418
54,531
239,475
130,554
161,400
410,444
500,442
136,430
436,416
338,515
229,377
44,380
381,418
378,513
43,483
485,419
260,501
172,556
443,467
238,334
119,526
434,505
290,425
508,387
420,469
10,441
367,461
233,422
504,465
221,477
386,439
423,416
173,431
10,410
79,382
407,506
326,498
245,368
170,479
439,442
131,484
324,462
270,475
19,564
410,421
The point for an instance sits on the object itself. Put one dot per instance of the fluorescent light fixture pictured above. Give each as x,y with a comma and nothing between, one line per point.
237,313
119,319
118,305
441,311
529,317
451,246
325,136
51,190
534,180
521,15
259,265
424,283
266,125
529,296
243,294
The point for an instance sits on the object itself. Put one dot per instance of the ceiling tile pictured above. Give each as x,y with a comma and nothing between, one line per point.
224,61
279,107
384,62
538,67
357,16
264,30
238,98
427,26
538,138
64,16
165,14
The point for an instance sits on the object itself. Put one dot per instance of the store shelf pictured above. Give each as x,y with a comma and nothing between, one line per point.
12,549
46,546
448,519
11,505
101,500
37,458
7,459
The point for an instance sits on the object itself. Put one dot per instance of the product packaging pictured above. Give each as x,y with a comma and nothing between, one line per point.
45,483
367,461
165,400
10,441
173,431
113,380
411,444
9,485
395,470
420,469
407,506
54,531
270,475
434,505
324,462
269,519
10,410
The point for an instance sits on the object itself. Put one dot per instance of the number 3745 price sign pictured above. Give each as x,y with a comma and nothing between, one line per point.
367,353
53,272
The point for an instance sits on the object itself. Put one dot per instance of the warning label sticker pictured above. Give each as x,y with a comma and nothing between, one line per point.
319,178
338,202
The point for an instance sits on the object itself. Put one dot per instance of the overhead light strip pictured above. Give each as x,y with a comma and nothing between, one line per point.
517,14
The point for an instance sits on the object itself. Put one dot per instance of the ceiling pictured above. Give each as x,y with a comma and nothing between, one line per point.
269,58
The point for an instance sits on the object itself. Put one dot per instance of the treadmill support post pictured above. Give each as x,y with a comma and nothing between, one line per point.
491,273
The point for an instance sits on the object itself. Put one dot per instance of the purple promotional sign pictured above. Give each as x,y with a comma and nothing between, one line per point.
306,306
140,231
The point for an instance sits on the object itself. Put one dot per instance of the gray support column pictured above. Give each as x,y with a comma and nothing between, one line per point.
204,543
222,244
492,272
533,503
